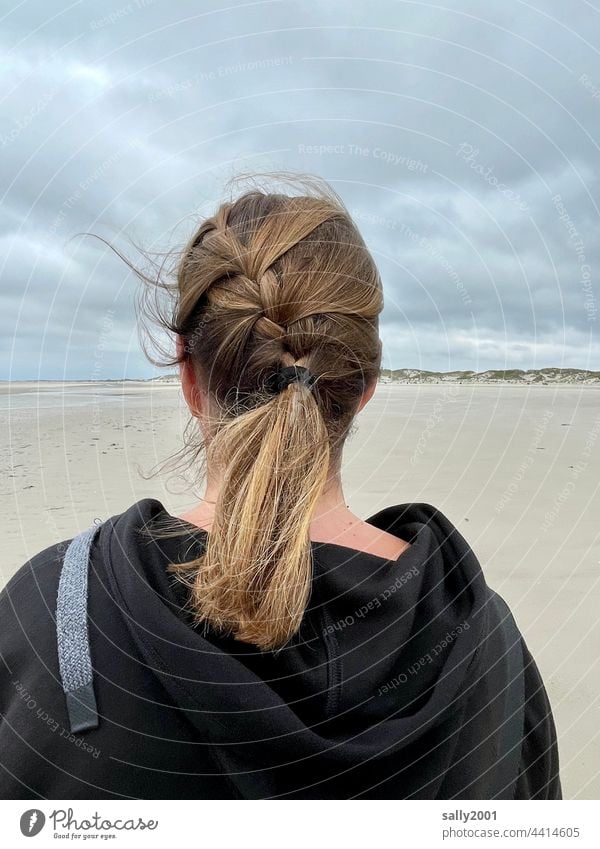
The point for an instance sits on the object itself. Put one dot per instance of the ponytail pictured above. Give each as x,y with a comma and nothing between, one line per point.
254,577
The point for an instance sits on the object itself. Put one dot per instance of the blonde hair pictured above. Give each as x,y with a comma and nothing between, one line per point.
272,279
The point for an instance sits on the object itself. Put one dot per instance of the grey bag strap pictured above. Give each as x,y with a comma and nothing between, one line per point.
506,770
74,658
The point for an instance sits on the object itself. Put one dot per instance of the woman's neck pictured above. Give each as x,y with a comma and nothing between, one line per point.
331,516
333,521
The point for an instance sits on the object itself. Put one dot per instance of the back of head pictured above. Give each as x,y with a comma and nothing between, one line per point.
272,280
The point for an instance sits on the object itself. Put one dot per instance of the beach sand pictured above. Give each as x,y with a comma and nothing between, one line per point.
514,468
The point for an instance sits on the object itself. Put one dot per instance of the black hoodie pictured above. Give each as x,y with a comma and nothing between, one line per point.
394,687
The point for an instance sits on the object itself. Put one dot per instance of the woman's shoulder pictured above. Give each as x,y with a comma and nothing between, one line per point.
45,566
41,571
406,519
539,776
409,511
27,619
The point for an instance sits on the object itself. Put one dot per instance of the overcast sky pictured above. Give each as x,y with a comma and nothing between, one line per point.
463,136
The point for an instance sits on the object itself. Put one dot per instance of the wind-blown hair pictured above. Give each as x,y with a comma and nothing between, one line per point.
270,280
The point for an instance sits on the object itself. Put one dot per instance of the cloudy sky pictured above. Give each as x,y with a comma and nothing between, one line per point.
464,136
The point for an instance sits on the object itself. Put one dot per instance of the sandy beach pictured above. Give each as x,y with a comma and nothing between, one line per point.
514,468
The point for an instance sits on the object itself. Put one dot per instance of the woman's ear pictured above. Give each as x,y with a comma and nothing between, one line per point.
370,390
187,377
180,349
367,395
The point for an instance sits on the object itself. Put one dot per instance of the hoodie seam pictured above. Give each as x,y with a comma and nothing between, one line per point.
334,664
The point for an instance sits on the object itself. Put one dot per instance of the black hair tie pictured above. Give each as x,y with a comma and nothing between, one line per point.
284,376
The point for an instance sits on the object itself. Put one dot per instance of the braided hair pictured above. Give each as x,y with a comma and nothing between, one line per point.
272,282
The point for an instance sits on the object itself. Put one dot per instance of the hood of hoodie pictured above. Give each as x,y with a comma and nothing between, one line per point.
379,679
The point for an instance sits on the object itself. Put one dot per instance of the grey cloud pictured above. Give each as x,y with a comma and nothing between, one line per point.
127,121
